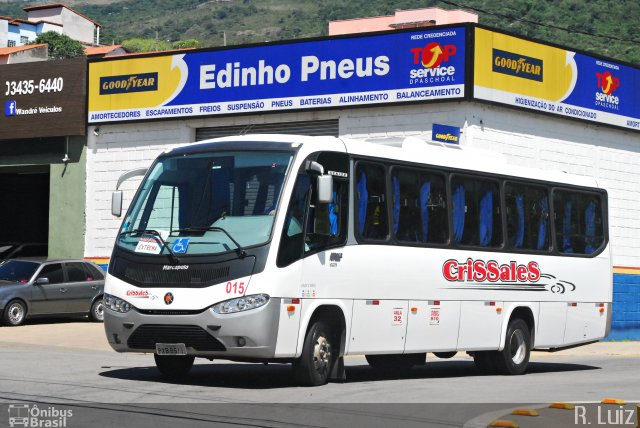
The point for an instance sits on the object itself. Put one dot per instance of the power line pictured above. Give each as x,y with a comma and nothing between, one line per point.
540,24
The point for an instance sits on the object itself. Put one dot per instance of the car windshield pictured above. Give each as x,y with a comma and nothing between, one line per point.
206,203
18,270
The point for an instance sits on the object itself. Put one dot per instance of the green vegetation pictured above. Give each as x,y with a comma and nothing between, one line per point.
60,46
606,27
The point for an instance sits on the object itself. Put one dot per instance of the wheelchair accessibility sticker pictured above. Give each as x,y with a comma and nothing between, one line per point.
180,245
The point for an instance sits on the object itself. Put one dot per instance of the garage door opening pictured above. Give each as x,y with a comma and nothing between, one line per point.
24,215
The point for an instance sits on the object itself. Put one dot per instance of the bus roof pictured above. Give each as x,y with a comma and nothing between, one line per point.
409,149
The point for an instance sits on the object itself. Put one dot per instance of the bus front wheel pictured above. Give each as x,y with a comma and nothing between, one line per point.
318,355
174,366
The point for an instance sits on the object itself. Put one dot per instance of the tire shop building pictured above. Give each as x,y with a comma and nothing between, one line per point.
539,105
42,156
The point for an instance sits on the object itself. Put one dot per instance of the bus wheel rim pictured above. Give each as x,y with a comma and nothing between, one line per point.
321,355
517,347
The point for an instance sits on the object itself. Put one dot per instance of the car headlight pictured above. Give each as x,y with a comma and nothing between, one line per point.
240,304
116,304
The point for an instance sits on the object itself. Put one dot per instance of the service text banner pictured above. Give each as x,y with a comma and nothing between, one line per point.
525,74
396,67
45,100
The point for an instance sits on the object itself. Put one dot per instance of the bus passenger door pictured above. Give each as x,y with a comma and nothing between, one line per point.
480,325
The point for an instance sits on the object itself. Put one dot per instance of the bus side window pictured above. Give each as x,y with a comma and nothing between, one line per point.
327,223
292,241
476,212
419,207
579,222
527,217
371,201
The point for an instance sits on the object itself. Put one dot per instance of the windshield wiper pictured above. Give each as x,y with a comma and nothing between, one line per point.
241,251
157,234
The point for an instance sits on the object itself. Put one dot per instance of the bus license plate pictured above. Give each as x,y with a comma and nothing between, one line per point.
171,349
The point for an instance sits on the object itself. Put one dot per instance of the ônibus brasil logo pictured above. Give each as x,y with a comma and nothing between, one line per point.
491,271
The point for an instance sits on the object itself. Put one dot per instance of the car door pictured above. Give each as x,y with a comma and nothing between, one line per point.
81,287
49,298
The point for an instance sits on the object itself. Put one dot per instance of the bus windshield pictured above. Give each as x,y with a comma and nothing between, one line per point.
206,203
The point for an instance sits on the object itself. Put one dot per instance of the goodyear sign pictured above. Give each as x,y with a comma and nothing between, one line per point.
412,66
445,134
525,74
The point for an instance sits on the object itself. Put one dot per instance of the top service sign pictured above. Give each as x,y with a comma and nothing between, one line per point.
45,100
525,74
396,67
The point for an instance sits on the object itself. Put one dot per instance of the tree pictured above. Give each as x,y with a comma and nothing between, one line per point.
186,44
145,45
61,46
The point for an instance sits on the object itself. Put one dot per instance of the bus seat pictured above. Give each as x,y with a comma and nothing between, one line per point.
458,213
566,229
363,200
542,224
425,193
590,227
520,226
486,218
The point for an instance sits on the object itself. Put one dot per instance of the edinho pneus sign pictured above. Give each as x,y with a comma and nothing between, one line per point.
331,73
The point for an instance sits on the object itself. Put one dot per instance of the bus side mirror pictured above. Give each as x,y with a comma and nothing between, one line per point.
325,189
116,203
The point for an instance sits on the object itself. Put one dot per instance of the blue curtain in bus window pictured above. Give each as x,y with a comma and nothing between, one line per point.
395,181
566,229
333,217
542,224
361,187
458,213
220,179
520,226
425,192
486,218
590,227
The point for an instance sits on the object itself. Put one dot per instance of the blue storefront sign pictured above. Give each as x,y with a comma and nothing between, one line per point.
445,134
376,69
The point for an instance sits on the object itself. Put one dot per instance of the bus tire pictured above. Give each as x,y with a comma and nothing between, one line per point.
396,362
14,313
514,358
318,356
174,366
484,362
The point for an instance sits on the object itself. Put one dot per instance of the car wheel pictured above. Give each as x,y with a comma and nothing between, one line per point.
15,313
174,366
97,311
318,355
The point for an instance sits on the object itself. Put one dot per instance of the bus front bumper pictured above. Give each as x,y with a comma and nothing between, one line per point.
249,334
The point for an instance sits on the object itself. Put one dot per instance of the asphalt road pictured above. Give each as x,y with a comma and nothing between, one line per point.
69,364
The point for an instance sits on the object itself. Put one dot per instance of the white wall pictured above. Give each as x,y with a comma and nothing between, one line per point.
528,139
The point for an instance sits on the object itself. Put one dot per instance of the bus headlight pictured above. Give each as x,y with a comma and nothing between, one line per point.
240,304
116,304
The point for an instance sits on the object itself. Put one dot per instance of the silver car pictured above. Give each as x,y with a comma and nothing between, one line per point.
37,287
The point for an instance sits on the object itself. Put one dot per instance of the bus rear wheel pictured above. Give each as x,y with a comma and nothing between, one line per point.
174,366
396,362
318,356
514,358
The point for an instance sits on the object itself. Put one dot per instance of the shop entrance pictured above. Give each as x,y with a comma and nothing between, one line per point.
24,212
